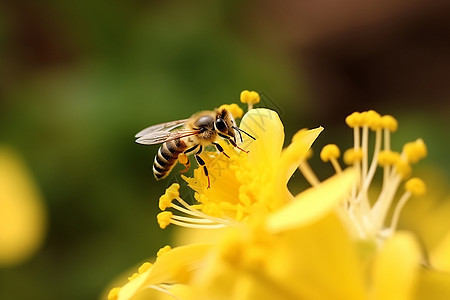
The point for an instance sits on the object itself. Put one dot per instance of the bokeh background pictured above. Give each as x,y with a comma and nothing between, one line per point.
79,78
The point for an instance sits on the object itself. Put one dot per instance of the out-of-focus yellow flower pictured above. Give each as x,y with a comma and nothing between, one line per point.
22,214
367,218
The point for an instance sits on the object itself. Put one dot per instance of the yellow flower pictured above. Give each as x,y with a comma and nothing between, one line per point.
22,214
244,181
328,242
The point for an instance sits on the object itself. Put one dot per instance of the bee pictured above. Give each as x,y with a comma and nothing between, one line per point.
189,136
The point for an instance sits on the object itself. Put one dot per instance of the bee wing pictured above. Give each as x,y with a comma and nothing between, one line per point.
163,127
159,137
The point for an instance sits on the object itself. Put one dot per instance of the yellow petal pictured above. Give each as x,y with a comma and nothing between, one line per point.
22,214
174,266
293,155
440,256
318,262
396,268
312,204
265,125
433,285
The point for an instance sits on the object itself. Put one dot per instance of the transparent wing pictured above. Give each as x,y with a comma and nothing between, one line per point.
159,137
163,127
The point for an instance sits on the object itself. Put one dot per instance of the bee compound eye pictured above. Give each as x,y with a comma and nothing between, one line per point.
220,125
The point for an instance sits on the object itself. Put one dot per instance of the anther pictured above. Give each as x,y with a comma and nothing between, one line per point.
374,120
415,151
416,186
389,122
387,158
351,156
164,219
249,97
114,293
234,109
163,250
353,120
330,151
144,267
403,168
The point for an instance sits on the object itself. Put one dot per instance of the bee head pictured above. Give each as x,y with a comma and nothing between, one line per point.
224,123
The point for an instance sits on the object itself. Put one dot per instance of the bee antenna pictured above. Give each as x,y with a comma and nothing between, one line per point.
237,129
243,131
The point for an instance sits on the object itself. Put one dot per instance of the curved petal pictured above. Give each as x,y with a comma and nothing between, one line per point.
265,125
433,285
312,204
396,283
440,256
178,263
22,213
318,261
292,156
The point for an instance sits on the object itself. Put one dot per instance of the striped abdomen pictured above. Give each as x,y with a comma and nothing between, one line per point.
167,157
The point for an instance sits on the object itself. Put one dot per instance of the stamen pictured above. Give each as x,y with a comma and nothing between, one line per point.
114,293
330,153
308,173
415,151
234,109
163,289
197,226
198,219
250,97
192,220
367,218
414,186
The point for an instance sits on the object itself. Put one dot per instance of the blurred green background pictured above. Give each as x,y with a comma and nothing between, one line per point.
79,78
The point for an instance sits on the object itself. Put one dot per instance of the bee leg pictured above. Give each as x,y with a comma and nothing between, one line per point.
235,145
220,149
202,163
184,160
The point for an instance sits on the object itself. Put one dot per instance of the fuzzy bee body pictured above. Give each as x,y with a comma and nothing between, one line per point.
167,157
185,137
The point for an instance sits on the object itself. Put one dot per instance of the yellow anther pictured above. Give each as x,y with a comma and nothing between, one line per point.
249,97
164,202
173,191
353,120
374,120
163,250
330,151
164,219
388,158
234,109
364,119
114,293
415,151
416,186
132,277
403,168
144,267
389,122
352,155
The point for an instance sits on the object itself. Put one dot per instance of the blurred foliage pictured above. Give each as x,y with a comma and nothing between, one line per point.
79,78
